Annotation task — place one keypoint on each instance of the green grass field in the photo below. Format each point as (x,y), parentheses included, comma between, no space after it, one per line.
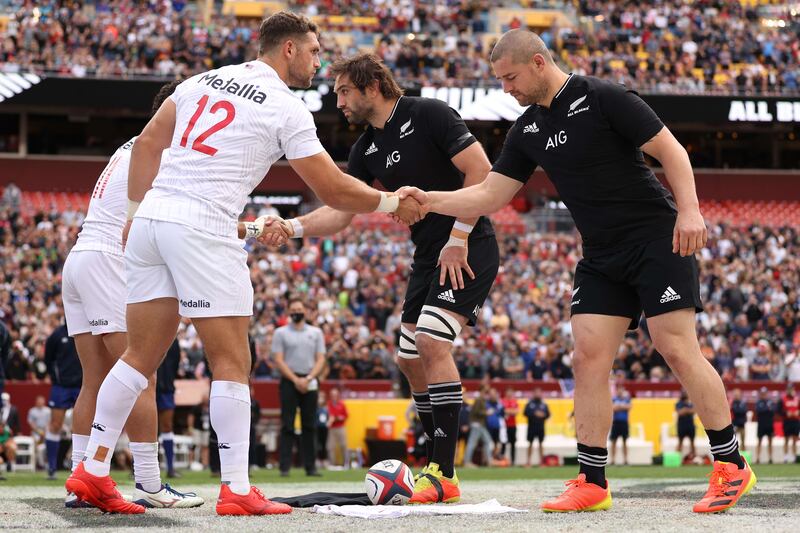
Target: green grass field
(265,477)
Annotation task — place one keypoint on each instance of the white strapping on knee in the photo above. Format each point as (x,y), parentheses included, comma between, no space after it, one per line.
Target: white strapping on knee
(437,324)
(129,377)
(408,344)
(230,389)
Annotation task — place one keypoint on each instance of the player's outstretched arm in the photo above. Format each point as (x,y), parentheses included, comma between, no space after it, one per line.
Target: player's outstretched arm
(493,193)
(690,234)
(346,193)
(318,223)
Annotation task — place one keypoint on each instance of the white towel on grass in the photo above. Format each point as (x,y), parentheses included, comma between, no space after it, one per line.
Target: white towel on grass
(397,511)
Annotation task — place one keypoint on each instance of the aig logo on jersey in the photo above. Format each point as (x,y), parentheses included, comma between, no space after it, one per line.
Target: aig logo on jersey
(558,139)
(392,158)
(405,131)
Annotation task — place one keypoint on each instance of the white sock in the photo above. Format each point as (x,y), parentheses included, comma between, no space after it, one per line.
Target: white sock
(116,397)
(146,471)
(79,443)
(229,410)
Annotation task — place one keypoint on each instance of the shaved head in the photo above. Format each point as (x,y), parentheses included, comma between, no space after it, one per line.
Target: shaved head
(520,46)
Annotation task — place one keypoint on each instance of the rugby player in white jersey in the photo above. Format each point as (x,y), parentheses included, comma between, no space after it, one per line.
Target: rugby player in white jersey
(93,292)
(224,129)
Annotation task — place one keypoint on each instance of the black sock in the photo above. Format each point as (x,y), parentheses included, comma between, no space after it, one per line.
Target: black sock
(446,400)
(724,446)
(592,462)
(423,403)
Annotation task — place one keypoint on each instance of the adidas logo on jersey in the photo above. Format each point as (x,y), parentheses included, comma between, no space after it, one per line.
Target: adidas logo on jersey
(669,295)
(531,128)
(447,296)
(439,434)
(371,150)
(247,91)
(404,131)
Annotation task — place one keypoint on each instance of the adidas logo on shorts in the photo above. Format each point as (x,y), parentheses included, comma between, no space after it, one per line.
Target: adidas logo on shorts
(669,295)
(439,433)
(447,296)
(371,150)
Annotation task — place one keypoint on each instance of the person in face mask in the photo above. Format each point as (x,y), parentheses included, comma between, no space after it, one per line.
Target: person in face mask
(298,350)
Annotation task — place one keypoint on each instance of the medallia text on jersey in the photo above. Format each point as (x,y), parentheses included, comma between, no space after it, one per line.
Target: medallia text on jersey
(247,90)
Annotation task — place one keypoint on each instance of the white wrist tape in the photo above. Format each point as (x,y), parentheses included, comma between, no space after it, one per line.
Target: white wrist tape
(297,226)
(253,229)
(454,241)
(132,207)
(388,204)
(460,226)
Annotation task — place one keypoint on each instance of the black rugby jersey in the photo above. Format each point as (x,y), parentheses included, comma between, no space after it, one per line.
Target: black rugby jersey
(414,149)
(168,371)
(588,144)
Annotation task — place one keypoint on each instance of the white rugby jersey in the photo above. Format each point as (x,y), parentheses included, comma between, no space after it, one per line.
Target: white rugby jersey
(231,125)
(107,214)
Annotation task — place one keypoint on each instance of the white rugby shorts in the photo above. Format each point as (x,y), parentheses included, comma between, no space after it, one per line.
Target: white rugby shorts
(93,292)
(206,273)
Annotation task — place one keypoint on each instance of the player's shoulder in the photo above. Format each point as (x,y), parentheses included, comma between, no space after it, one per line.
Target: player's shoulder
(602,87)
(424,107)
(128,146)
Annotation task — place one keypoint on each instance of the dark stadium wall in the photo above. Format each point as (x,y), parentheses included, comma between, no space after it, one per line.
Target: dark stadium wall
(79,175)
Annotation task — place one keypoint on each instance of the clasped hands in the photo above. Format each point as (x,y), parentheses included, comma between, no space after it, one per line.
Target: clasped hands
(413,205)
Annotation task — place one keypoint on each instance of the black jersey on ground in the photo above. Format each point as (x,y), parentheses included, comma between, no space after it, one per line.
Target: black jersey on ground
(168,371)
(588,144)
(414,149)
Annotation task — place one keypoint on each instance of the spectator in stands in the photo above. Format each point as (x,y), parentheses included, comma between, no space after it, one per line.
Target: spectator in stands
(762,364)
(66,376)
(9,428)
(511,409)
(5,354)
(18,367)
(537,413)
(478,431)
(739,416)
(620,425)
(12,197)
(790,411)
(765,415)
(792,362)
(686,430)
(337,433)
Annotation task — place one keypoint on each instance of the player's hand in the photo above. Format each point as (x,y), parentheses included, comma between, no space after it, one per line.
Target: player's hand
(690,234)
(274,232)
(452,260)
(418,194)
(409,211)
(125,231)
(301,385)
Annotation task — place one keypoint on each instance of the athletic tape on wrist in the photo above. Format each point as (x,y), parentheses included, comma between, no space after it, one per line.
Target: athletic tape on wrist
(454,241)
(388,204)
(297,226)
(253,229)
(460,226)
(132,208)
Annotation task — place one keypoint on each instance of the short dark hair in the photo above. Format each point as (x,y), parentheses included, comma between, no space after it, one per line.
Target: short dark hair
(294,299)
(363,69)
(280,26)
(163,93)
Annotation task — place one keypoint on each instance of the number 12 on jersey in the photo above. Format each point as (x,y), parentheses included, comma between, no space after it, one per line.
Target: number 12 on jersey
(199,142)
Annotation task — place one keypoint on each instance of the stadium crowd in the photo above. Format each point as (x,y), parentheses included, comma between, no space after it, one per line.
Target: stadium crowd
(707,45)
(353,283)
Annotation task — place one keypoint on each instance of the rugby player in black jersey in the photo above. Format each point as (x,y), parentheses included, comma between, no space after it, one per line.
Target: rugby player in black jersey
(421,142)
(638,242)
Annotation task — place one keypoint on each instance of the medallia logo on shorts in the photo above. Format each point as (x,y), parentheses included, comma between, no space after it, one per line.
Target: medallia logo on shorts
(669,295)
(196,304)
(98,322)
